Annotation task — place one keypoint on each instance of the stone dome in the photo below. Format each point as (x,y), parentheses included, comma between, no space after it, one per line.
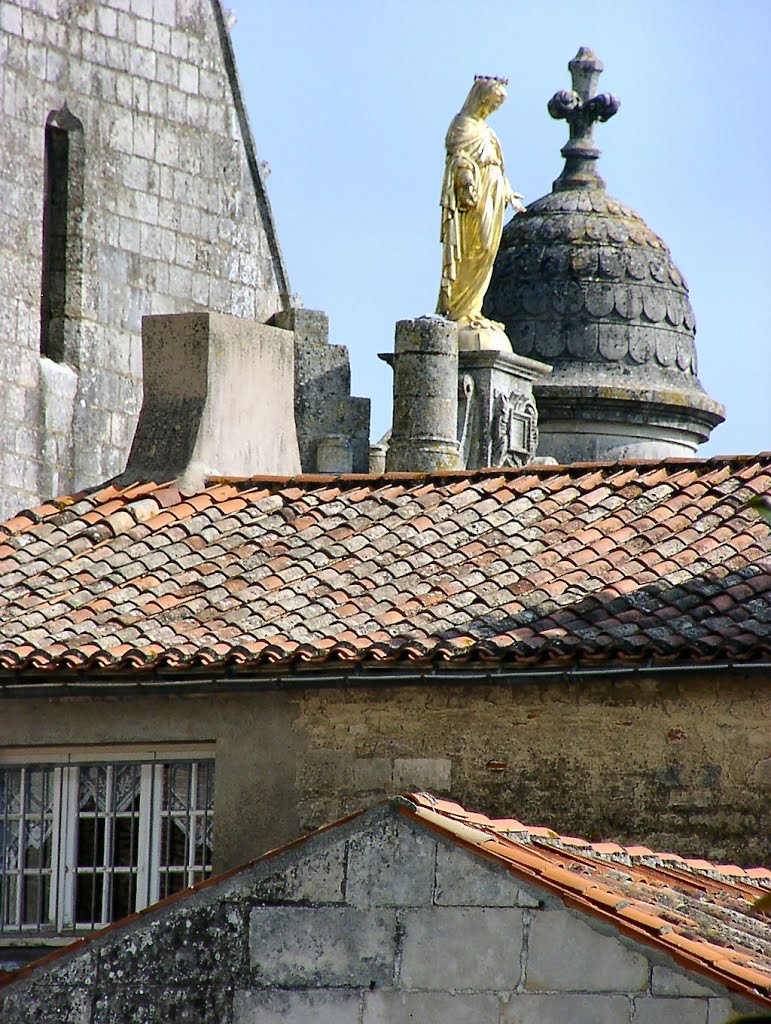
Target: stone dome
(582,277)
(581,282)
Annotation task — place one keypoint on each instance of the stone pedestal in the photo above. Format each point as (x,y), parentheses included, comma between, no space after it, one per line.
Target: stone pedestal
(491,338)
(497,415)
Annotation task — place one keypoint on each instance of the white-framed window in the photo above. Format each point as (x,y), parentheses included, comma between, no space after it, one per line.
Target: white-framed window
(87,838)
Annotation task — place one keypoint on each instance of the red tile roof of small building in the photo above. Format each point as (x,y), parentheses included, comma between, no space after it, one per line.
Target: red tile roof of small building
(701,914)
(583,565)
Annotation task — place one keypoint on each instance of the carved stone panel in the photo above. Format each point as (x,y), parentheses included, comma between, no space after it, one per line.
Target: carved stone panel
(514,429)
(497,415)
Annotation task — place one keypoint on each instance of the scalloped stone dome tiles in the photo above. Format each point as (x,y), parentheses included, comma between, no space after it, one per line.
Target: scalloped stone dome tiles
(581,276)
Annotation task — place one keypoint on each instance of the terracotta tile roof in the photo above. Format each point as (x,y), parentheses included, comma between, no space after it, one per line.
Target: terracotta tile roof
(591,564)
(697,912)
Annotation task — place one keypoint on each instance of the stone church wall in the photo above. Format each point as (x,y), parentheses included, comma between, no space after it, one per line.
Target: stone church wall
(164,211)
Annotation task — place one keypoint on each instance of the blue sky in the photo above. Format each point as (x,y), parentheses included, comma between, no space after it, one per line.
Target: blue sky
(349,103)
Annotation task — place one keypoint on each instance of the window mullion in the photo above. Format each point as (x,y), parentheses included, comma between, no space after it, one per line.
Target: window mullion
(108,844)
(58,842)
(148,859)
(192,807)
(22,858)
(68,846)
(41,825)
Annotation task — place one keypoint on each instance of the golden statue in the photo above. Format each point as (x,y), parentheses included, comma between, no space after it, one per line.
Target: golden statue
(475,194)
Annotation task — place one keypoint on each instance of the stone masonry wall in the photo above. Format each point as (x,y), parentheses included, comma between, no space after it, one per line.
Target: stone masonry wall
(376,922)
(171,217)
(677,764)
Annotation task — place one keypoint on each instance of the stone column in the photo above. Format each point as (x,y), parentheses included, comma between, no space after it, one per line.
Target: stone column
(425,397)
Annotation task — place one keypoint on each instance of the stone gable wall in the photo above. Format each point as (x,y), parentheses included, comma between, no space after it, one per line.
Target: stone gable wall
(377,922)
(174,218)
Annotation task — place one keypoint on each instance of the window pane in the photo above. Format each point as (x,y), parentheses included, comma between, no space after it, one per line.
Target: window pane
(93,788)
(10,791)
(9,836)
(9,892)
(126,843)
(36,889)
(88,898)
(126,796)
(173,842)
(205,795)
(123,895)
(173,881)
(177,790)
(186,827)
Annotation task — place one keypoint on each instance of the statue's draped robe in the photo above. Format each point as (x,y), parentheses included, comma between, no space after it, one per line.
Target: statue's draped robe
(470,238)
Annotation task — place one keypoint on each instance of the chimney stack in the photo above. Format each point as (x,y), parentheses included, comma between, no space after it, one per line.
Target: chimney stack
(218,400)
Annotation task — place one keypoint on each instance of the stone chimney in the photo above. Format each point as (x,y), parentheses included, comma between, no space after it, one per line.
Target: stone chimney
(218,400)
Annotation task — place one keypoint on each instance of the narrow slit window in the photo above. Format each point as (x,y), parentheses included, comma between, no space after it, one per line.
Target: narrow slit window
(62,244)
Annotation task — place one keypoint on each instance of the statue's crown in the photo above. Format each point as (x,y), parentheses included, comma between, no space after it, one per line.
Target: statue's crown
(491,78)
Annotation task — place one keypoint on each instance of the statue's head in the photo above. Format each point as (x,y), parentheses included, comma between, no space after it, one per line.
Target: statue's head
(486,95)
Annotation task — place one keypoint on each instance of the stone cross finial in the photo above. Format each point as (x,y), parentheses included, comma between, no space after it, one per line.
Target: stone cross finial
(581,106)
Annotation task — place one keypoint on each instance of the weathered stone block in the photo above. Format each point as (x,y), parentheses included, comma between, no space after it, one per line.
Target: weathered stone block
(322,946)
(201,941)
(317,770)
(430,1007)
(436,944)
(10,19)
(218,396)
(666,982)
(307,324)
(196,1002)
(663,1010)
(65,1005)
(323,1006)
(576,1009)
(316,879)
(429,773)
(566,954)
(323,406)
(721,1011)
(372,773)
(462,880)
(392,867)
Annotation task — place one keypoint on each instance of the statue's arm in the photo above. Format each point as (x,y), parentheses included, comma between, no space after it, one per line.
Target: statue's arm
(465,181)
(514,199)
